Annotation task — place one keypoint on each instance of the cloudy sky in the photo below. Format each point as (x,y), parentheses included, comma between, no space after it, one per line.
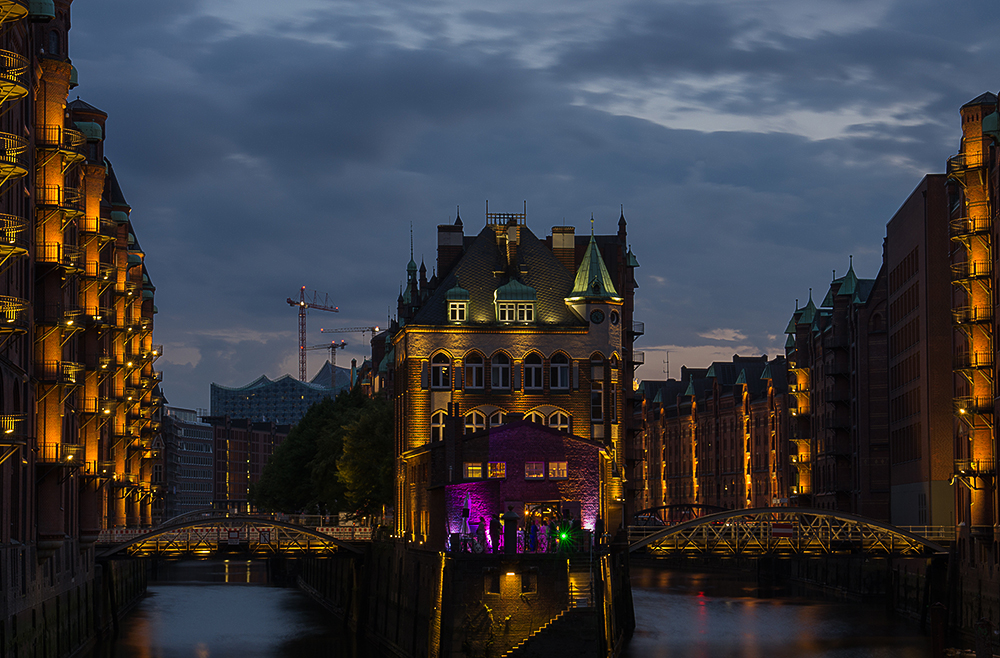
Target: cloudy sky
(755,145)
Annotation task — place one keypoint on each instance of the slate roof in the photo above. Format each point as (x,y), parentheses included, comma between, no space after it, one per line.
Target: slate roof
(84,106)
(117,197)
(986,98)
(480,272)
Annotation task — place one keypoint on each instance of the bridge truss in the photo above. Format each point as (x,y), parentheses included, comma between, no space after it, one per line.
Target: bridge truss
(246,535)
(780,530)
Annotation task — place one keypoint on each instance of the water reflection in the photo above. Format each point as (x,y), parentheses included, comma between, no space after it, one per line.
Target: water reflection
(701,616)
(211,609)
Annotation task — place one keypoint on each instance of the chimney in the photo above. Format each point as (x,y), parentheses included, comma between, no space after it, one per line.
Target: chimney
(451,238)
(513,239)
(564,246)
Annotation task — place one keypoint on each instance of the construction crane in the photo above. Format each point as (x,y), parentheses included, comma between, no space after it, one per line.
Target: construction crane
(333,347)
(309,299)
(352,330)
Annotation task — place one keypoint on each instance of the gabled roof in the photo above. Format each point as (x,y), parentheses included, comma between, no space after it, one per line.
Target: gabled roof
(592,280)
(478,271)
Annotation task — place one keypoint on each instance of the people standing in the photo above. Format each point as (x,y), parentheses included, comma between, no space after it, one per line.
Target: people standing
(533,536)
(495,533)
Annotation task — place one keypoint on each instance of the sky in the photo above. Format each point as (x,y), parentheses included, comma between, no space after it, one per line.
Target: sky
(755,145)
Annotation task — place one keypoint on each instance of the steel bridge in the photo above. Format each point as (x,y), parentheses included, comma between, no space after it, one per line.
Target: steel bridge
(203,536)
(780,530)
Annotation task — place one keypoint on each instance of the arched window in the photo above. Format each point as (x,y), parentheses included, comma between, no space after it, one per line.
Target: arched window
(437,426)
(475,421)
(559,421)
(474,371)
(53,43)
(498,418)
(500,372)
(535,417)
(440,371)
(559,372)
(533,372)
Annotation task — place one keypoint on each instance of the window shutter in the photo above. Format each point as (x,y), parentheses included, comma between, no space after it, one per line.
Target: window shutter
(458,378)
(576,376)
(425,375)
(516,375)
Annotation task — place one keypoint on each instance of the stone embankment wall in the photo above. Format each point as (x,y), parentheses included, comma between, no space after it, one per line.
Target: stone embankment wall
(416,603)
(62,605)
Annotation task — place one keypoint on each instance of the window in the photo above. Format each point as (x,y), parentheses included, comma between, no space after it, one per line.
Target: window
(496,470)
(559,372)
(614,404)
(500,375)
(473,470)
(498,418)
(534,470)
(456,311)
(559,421)
(536,417)
(525,312)
(474,371)
(475,421)
(557,469)
(437,426)
(506,311)
(597,402)
(533,372)
(441,371)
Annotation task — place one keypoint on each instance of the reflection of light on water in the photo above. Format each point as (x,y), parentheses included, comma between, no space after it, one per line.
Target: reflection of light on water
(201,650)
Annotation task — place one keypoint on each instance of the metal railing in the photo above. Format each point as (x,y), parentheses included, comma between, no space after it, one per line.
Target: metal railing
(13,233)
(971,314)
(971,269)
(970,360)
(638,328)
(975,467)
(961,162)
(969,226)
(973,405)
(12,154)
(13,314)
(638,358)
(60,453)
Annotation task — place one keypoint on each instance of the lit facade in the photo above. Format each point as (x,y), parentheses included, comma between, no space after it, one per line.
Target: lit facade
(79,396)
(512,326)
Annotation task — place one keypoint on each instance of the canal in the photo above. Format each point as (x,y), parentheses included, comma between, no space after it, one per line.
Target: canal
(691,615)
(206,609)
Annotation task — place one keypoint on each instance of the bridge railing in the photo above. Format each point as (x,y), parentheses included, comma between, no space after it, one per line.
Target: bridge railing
(936,533)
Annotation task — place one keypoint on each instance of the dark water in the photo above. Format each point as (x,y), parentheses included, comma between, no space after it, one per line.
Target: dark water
(212,609)
(682,615)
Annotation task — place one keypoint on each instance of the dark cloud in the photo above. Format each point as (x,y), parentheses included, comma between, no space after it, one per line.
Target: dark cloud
(298,154)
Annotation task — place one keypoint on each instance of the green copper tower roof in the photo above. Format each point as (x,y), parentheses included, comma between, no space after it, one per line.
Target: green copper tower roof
(592,278)
(742,379)
(515,291)
(690,388)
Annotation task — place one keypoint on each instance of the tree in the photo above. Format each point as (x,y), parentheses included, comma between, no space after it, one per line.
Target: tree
(366,466)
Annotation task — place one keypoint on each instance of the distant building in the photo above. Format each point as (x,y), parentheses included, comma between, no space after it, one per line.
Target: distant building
(719,436)
(837,359)
(188,471)
(242,448)
(284,400)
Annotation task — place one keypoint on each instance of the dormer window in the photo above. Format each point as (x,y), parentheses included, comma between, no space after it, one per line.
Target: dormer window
(458,304)
(515,302)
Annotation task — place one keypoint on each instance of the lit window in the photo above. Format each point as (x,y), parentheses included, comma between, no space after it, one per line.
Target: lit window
(533,372)
(559,421)
(473,470)
(474,371)
(497,418)
(557,469)
(456,311)
(496,470)
(506,311)
(534,470)
(525,312)
(474,422)
(536,417)
(437,426)
(559,372)
(500,375)
(441,371)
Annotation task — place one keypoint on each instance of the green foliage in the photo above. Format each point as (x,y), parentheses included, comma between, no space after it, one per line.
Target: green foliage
(302,474)
(366,466)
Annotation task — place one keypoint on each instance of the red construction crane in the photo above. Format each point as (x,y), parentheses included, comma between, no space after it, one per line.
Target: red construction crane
(317,300)
(333,347)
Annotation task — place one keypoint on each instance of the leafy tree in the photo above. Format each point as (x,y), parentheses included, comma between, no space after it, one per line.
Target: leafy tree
(366,466)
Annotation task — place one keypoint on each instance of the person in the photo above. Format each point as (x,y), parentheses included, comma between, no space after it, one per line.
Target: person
(532,536)
(495,533)
(599,531)
(553,535)
(481,534)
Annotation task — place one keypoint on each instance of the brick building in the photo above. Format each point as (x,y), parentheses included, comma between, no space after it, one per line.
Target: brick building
(240,452)
(720,435)
(838,378)
(188,471)
(512,324)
